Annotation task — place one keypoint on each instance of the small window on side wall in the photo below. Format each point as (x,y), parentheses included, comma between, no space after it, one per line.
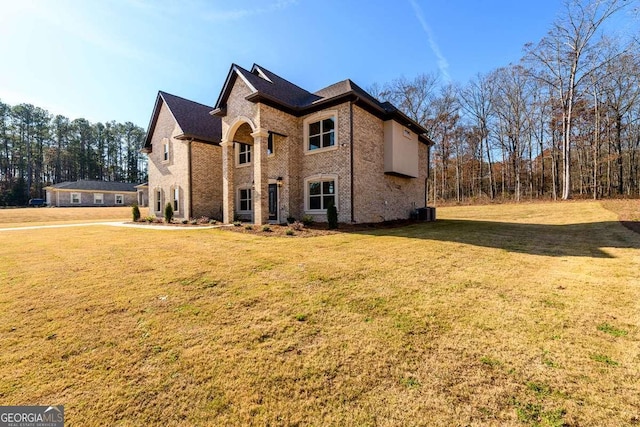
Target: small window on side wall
(75,198)
(270,148)
(176,199)
(165,150)
(158,200)
(98,198)
(119,199)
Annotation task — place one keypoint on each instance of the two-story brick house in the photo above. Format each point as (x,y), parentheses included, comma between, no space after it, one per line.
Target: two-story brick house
(270,150)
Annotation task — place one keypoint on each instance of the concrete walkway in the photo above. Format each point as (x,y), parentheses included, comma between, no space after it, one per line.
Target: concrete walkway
(114,224)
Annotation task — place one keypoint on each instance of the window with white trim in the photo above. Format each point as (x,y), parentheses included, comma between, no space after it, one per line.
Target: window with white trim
(321,133)
(244,200)
(320,193)
(75,198)
(244,154)
(98,198)
(165,149)
(176,199)
(119,199)
(158,200)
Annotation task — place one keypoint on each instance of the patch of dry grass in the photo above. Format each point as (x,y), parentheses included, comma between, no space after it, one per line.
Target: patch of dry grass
(628,212)
(19,217)
(494,315)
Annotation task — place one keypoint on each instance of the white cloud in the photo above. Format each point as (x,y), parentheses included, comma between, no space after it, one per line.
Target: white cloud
(236,14)
(443,64)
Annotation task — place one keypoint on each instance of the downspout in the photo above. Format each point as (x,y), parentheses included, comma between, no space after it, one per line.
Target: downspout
(351,158)
(426,179)
(190,179)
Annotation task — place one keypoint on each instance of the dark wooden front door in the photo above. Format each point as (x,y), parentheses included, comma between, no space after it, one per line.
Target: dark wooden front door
(273,202)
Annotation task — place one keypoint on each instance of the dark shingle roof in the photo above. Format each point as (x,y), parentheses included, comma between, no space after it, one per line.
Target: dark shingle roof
(88,185)
(348,86)
(277,92)
(192,117)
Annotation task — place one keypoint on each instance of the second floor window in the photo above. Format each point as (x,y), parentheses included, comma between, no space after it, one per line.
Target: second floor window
(322,134)
(244,154)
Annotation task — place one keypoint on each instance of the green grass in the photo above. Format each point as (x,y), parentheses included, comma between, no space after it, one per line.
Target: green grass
(493,315)
(612,330)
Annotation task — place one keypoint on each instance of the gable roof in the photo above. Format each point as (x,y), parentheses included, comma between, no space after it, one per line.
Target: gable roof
(88,185)
(193,119)
(273,90)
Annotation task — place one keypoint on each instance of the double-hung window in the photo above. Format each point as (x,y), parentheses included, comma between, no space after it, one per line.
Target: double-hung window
(75,198)
(119,199)
(244,154)
(158,200)
(98,198)
(176,199)
(165,148)
(244,200)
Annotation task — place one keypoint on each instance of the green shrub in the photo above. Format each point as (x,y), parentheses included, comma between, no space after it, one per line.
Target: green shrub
(213,222)
(332,216)
(266,228)
(248,227)
(237,223)
(168,213)
(185,221)
(150,218)
(307,220)
(135,212)
(289,232)
(291,220)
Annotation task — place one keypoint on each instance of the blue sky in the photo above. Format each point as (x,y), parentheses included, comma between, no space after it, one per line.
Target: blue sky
(106,59)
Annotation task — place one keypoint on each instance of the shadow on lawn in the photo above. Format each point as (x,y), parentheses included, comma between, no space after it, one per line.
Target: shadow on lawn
(583,240)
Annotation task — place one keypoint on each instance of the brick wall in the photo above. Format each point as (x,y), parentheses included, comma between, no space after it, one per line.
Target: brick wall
(378,196)
(165,175)
(206,180)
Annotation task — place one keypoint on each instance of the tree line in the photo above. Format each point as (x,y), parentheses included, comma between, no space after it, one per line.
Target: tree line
(39,149)
(563,122)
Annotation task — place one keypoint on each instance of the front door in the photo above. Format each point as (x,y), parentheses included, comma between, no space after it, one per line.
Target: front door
(273,202)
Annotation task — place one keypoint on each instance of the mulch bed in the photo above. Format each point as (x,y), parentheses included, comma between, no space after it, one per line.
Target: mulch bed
(316,229)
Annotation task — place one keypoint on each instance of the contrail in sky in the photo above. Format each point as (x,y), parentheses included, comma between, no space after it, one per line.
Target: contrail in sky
(443,64)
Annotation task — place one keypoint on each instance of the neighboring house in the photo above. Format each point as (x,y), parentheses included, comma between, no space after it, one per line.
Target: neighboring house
(275,150)
(185,159)
(91,193)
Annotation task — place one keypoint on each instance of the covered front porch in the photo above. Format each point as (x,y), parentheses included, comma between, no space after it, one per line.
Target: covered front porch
(250,192)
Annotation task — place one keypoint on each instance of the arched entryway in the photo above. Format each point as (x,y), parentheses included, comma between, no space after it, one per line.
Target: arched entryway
(245,184)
